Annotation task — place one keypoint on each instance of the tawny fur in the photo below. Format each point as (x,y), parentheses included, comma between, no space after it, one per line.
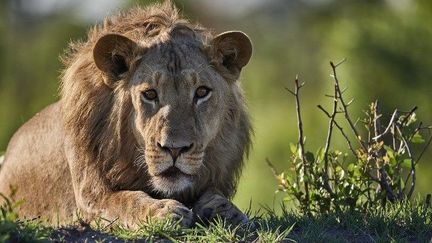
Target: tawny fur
(81,153)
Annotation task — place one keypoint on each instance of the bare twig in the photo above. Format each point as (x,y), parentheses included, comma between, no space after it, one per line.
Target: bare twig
(419,127)
(389,126)
(412,173)
(393,135)
(414,164)
(339,63)
(376,125)
(384,180)
(328,140)
(398,166)
(305,163)
(341,130)
(410,113)
(344,105)
(290,91)
(385,185)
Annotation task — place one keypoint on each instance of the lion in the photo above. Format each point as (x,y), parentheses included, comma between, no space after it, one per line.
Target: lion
(151,124)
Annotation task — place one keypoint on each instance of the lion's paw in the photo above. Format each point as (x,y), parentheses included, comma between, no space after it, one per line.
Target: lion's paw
(211,206)
(168,208)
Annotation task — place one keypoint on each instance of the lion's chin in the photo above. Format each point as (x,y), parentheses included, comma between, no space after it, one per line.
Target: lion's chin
(172,184)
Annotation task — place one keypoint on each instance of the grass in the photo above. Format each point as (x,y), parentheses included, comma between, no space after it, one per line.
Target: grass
(404,222)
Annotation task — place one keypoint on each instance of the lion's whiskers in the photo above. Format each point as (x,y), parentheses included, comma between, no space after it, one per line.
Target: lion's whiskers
(140,158)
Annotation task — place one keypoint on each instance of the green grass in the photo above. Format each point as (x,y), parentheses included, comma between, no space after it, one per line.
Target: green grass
(14,230)
(407,222)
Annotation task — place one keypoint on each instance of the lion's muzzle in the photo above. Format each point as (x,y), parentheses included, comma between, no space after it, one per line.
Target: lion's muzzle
(174,165)
(175,151)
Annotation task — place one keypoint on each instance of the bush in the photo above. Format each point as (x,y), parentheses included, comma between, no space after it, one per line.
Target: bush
(380,166)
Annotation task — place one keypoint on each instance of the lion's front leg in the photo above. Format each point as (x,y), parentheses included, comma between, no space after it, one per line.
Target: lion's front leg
(131,208)
(95,199)
(212,205)
(168,208)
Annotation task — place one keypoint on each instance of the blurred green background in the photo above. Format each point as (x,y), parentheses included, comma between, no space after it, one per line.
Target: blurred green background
(388,45)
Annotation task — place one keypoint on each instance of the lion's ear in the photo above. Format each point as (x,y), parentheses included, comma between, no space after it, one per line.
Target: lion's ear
(112,54)
(232,50)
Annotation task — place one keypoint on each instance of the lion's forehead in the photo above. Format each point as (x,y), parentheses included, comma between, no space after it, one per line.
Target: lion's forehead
(175,54)
(177,61)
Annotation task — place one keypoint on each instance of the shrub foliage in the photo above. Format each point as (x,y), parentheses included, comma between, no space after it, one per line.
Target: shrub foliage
(379,166)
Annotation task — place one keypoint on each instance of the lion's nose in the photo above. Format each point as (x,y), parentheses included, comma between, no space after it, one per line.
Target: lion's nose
(175,152)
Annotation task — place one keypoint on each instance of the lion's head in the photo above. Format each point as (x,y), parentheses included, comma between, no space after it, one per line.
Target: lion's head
(154,101)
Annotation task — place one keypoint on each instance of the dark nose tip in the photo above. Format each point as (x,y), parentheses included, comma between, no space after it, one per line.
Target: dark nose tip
(175,152)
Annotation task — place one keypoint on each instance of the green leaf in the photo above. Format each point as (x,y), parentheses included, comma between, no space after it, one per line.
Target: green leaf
(351,167)
(340,171)
(354,171)
(293,148)
(389,169)
(391,159)
(402,183)
(417,138)
(390,151)
(320,154)
(406,163)
(310,157)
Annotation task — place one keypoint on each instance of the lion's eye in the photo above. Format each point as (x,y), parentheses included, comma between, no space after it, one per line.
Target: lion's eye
(202,92)
(150,95)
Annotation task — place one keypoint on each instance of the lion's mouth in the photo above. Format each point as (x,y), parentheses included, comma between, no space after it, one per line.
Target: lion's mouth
(173,173)
(172,180)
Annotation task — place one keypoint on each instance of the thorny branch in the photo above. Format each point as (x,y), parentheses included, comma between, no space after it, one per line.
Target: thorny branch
(408,116)
(394,126)
(379,154)
(341,131)
(378,136)
(344,105)
(328,140)
(384,183)
(412,173)
(305,163)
